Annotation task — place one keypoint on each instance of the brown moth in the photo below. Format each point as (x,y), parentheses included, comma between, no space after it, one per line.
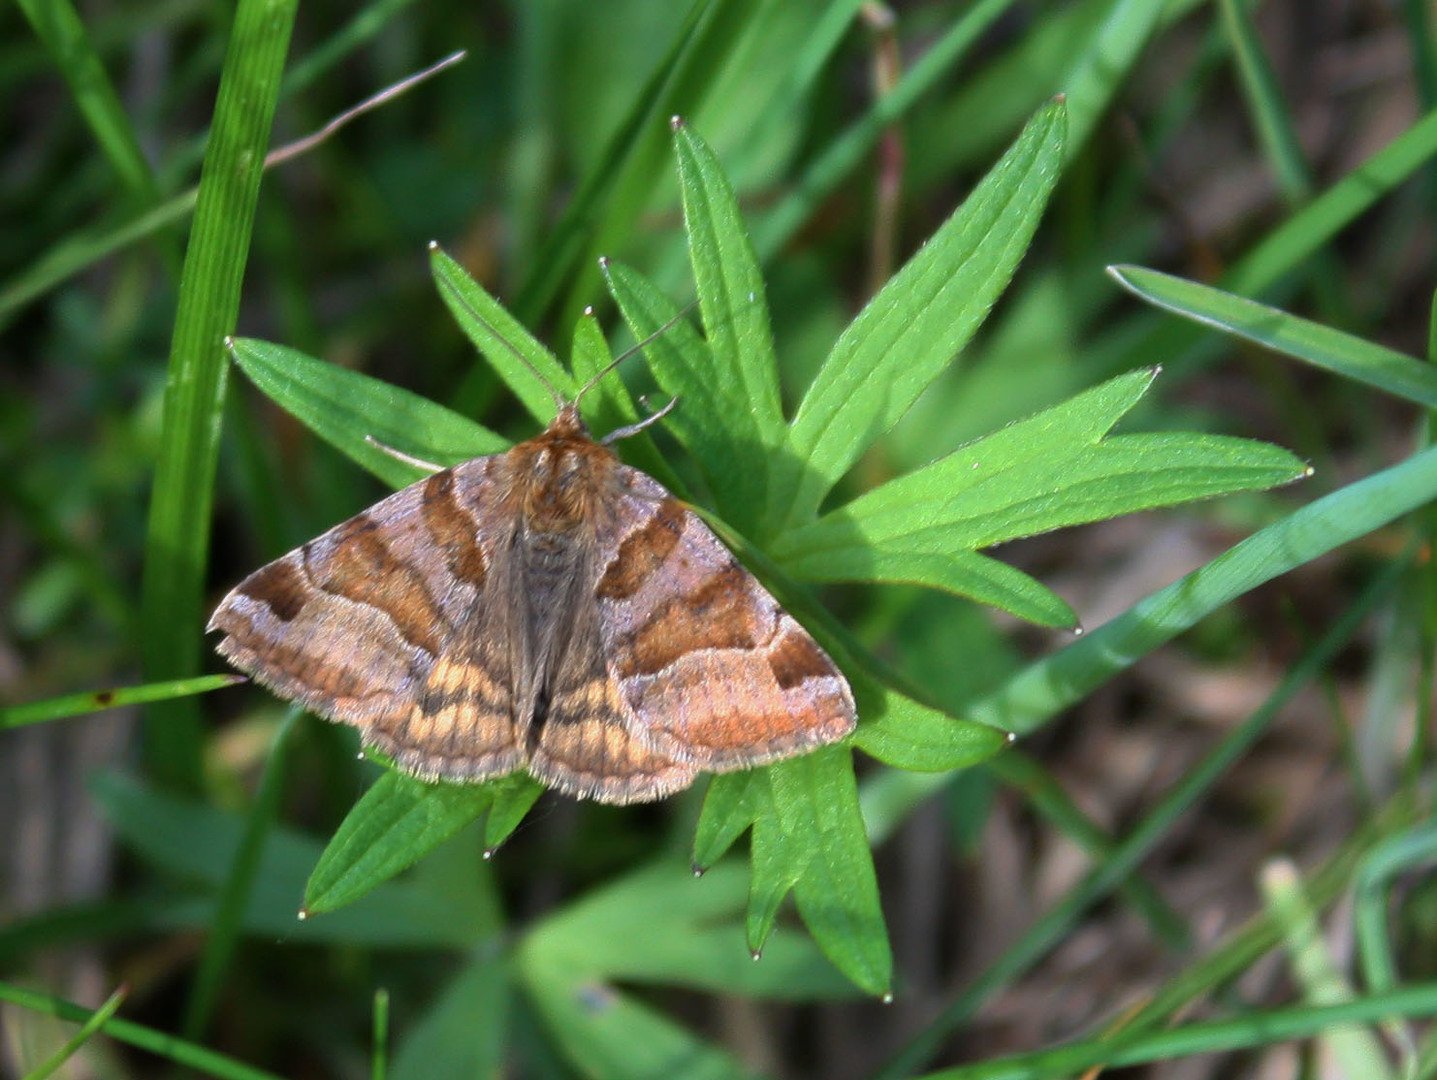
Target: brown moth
(548,608)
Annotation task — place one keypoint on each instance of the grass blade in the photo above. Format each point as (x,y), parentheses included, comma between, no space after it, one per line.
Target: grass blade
(177,543)
(235,893)
(1256,1028)
(1101,69)
(159,1043)
(1274,124)
(572,234)
(60,708)
(1126,855)
(65,1053)
(1043,689)
(1357,1053)
(58,25)
(1300,236)
(852,148)
(1332,350)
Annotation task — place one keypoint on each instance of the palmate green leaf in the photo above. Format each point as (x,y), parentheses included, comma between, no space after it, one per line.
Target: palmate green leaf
(343,406)
(398,821)
(736,325)
(1052,470)
(1042,690)
(963,573)
(914,327)
(808,837)
(1332,350)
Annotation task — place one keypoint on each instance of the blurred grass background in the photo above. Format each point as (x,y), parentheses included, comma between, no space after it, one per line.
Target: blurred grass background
(1201,132)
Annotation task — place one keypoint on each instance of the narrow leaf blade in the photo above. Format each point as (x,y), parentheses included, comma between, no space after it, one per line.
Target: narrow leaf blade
(922,318)
(520,359)
(397,822)
(1343,354)
(343,406)
(732,301)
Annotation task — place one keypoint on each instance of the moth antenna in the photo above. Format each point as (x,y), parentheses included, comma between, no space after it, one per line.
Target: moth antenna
(559,400)
(634,429)
(400,455)
(616,361)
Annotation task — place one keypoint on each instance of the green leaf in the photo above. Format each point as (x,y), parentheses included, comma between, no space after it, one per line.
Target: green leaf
(963,573)
(607,1035)
(808,835)
(514,796)
(1332,350)
(1275,125)
(60,708)
(660,925)
(735,316)
(162,1044)
(1054,683)
(816,795)
(683,366)
(914,327)
(343,406)
(608,405)
(58,25)
(52,1064)
(907,734)
(396,823)
(731,803)
(182,499)
(518,357)
(1052,470)
(461,1033)
(657,925)
(198,844)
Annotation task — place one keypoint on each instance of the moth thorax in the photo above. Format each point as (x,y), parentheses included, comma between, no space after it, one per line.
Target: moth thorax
(563,483)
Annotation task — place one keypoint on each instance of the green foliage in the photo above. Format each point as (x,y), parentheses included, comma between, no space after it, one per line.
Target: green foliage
(1055,469)
(864,439)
